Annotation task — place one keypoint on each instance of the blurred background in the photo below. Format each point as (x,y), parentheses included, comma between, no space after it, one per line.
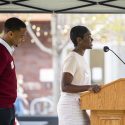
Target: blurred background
(38,61)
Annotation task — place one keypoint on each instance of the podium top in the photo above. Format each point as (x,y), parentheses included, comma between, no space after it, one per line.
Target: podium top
(111,97)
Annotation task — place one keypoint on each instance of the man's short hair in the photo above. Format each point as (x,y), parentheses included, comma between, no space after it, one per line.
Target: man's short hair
(13,24)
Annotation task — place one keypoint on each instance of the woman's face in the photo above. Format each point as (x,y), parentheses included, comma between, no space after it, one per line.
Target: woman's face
(86,41)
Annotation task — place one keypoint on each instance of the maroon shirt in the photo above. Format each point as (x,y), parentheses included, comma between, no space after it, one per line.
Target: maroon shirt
(8,81)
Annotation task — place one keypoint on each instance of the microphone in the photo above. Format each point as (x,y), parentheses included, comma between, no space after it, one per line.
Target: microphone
(106,49)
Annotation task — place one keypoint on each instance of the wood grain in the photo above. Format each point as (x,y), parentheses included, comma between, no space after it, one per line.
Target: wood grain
(108,106)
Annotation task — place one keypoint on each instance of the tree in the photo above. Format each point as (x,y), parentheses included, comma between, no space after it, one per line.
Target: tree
(55,51)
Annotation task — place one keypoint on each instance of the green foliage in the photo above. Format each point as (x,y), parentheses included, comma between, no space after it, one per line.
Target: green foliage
(107,27)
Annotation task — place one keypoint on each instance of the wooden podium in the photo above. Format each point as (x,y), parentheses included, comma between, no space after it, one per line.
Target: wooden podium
(108,106)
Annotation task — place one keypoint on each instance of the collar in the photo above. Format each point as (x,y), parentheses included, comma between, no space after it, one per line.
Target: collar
(10,49)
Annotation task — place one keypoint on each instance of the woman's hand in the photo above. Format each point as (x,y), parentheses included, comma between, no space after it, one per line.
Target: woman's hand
(95,88)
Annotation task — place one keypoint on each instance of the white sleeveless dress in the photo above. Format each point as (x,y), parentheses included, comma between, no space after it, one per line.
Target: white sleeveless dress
(68,108)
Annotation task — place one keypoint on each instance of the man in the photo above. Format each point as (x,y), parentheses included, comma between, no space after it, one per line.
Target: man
(14,32)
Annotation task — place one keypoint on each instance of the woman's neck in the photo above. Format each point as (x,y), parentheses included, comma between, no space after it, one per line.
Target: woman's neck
(79,51)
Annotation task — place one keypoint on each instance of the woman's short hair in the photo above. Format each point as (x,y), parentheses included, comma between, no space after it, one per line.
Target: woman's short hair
(77,31)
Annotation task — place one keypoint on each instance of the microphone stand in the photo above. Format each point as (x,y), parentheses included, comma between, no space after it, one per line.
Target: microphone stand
(117,56)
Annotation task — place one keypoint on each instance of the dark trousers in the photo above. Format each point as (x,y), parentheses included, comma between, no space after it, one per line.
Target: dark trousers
(7,116)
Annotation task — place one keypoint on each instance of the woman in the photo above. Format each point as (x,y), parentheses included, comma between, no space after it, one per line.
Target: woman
(75,79)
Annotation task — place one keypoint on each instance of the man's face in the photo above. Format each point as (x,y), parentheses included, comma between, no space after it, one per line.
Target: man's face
(17,37)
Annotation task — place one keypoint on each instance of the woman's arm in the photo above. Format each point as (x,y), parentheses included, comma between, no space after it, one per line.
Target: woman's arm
(68,87)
